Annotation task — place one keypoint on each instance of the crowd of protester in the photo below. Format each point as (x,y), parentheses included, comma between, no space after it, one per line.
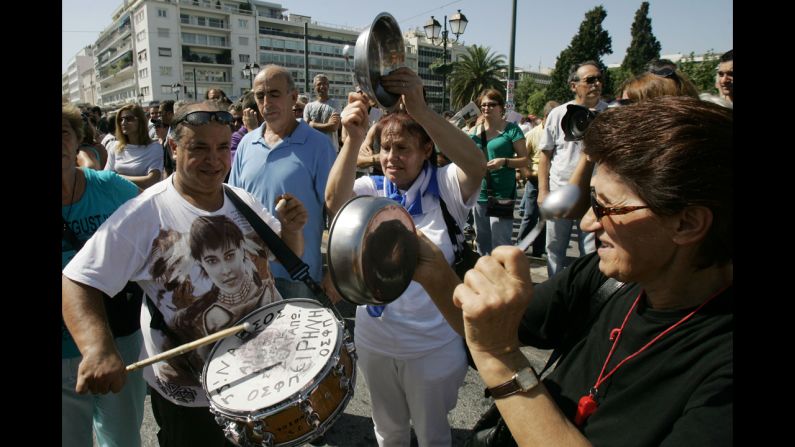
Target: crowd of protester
(654,170)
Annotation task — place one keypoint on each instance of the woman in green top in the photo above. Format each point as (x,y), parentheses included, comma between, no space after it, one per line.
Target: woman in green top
(505,150)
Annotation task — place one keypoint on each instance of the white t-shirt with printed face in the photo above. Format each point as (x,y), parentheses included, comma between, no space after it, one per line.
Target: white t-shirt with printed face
(155,239)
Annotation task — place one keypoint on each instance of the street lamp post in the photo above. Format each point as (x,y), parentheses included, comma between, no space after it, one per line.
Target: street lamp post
(250,72)
(458,23)
(175,88)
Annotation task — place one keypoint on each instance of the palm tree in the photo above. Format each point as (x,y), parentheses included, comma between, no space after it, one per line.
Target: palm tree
(475,71)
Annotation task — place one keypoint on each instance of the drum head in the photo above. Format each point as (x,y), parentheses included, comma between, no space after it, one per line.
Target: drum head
(293,343)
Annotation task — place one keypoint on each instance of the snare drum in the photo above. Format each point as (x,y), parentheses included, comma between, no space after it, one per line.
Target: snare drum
(286,383)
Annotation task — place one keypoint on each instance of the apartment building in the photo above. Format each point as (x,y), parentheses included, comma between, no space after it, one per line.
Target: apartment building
(178,49)
(75,88)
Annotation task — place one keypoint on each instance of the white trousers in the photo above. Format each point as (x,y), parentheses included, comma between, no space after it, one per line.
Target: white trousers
(419,391)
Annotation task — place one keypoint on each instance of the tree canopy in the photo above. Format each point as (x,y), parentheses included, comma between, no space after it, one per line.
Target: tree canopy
(590,43)
(702,73)
(644,46)
(474,72)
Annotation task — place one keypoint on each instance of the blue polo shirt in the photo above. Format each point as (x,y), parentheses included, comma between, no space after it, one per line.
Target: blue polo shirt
(298,165)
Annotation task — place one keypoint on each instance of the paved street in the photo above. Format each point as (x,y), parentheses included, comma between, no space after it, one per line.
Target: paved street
(354,427)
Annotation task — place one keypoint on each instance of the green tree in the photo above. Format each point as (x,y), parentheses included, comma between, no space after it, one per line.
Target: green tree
(617,75)
(536,101)
(591,43)
(644,46)
(524,88)
(702,73)
(475,71)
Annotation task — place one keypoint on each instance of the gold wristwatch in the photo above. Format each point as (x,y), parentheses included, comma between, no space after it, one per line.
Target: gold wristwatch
(524,380)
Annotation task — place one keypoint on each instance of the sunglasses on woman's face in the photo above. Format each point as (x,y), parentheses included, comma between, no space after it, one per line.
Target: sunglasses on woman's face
(199,118)
(600,211)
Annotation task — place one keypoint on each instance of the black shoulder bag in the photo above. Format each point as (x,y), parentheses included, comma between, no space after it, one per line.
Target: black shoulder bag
(495,207)
(124,309)
(491,430)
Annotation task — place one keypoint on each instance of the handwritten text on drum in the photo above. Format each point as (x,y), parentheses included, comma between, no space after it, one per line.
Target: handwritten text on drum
(273,364)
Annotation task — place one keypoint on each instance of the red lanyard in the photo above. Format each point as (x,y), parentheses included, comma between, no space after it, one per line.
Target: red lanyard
(588,403)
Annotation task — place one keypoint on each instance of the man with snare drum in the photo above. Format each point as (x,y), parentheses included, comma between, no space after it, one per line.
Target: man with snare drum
(149,241)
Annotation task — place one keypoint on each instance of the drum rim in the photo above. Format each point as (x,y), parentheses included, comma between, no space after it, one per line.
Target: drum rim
(302,394)
(311,434)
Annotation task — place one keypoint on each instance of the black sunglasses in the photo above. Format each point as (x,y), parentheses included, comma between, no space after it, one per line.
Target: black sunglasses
(199,118)
(592,79)
(600,211)
(666,72)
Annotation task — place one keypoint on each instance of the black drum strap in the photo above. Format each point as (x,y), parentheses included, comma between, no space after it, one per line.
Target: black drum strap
(297,268)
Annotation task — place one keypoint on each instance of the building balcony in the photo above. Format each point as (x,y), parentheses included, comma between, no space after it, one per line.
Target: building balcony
(106,89)
(189,55)
(118,67)
(114,36)
(192,22)
(205,45)
(216,6)
(112,53)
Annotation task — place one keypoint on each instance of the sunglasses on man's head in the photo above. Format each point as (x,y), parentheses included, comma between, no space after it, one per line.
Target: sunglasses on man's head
(199,118)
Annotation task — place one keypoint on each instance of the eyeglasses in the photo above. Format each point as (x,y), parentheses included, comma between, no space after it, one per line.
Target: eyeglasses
(726,73)
(592,79)
(199,118)
(129,119)
(600,211)
(490,105)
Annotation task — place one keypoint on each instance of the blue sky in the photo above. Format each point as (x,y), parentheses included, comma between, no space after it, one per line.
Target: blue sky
(543,28)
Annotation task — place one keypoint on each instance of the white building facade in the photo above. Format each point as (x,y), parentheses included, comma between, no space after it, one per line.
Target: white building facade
(155,50)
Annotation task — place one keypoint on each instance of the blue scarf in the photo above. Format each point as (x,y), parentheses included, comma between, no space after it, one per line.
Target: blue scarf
(425,188)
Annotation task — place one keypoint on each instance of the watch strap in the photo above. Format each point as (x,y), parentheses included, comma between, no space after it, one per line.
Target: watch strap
(511,386)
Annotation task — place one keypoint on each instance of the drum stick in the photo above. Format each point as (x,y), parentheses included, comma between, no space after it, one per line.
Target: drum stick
(191,346)
(280,205)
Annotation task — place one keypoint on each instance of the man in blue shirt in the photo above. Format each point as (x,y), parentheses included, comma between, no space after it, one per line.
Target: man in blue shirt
(285,155)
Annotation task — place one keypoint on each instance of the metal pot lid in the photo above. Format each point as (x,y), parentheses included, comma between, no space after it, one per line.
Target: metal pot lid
(379,50)
(372,250)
